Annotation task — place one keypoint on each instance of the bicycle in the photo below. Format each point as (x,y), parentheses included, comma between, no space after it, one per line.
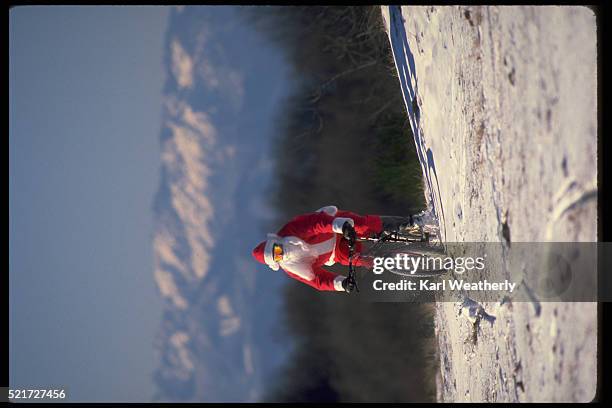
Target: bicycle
(413,242)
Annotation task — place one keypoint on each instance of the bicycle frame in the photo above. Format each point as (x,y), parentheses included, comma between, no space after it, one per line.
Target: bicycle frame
(396,237)
(383,237)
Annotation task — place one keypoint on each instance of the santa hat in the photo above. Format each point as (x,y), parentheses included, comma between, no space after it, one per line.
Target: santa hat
(263,252)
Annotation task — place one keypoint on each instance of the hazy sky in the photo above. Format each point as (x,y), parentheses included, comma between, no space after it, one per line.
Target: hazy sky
(84,109)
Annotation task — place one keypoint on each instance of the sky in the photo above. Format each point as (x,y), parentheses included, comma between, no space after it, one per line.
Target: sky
(85,95)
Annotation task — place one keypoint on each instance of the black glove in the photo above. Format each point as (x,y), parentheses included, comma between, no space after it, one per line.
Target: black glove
(349,233)
(348,284)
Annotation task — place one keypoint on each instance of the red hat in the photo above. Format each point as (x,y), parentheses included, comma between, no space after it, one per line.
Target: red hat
(258,252)
(263,252)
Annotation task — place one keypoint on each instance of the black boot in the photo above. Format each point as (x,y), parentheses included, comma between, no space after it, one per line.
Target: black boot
(392,223)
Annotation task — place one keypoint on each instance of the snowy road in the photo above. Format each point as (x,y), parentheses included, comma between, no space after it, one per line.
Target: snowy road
(503,105)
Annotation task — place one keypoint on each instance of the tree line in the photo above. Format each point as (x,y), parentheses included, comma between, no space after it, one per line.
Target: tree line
(343,138)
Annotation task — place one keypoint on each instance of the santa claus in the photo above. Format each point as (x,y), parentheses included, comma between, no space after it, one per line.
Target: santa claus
(309,241)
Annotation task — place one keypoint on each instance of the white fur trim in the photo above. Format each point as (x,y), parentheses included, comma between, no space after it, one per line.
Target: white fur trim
(268,255)
(338,283)
(329,209)
(339,222)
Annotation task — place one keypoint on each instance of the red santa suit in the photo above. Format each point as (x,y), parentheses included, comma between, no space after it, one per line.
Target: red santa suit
(312,240)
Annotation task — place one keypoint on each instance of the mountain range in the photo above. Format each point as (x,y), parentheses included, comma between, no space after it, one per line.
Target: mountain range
(218,337)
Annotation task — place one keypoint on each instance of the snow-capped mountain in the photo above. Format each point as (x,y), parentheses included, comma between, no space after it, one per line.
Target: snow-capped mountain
(221,88)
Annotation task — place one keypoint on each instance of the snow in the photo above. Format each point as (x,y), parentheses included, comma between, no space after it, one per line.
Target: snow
(503,105)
